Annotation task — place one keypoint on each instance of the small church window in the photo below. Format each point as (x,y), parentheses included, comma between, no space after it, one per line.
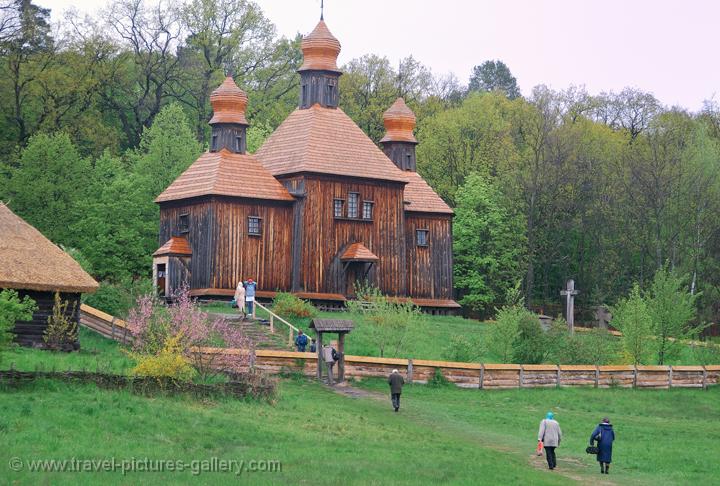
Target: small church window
(367,210)
(254,225)
(422,237)
(330,96)
(184,223)
(338,207)
(353,200)
(238,144)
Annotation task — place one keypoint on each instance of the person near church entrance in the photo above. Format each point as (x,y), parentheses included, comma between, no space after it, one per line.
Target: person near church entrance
(313,346)
(250,287)
(240,298)
(301,341)
(330,356)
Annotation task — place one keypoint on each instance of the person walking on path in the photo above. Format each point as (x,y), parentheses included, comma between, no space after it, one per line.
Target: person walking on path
(250,287)
(301,341)
(396,382)
(604,435)
(240,298)
(550,435)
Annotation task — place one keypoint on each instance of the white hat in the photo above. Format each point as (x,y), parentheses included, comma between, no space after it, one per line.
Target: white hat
(395,371)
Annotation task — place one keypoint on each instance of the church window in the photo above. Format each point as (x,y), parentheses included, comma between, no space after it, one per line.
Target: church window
(421,236)
(184,223)
(367,210)
(254,225)
(338,205)
(353,200)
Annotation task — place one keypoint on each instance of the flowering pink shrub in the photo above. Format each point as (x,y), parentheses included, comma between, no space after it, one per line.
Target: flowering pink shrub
(152,324)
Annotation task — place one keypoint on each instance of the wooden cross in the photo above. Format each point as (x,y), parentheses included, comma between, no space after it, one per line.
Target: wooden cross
(569,293)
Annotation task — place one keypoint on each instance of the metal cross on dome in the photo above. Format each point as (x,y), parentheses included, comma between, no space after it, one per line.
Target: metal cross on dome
(569,293)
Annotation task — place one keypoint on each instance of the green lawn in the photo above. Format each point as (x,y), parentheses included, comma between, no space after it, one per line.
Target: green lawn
(442,435)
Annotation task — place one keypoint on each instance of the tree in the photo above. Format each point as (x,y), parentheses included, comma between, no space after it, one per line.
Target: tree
(494,76)
(47,187)
(12,309)
(671,308)
(632,318)
(488,245)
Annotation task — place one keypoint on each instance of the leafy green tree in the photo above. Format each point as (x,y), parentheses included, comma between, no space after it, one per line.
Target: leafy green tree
(488,245)
(12,309)
(48,185)
(494,76)
(475,137)
(632,318)
(672,308)
(504,334)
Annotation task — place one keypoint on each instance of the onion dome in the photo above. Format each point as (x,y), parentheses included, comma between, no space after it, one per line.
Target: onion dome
(320,50)
(228,103)
(399,121)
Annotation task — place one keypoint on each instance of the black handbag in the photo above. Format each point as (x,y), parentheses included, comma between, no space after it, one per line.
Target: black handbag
(592,450)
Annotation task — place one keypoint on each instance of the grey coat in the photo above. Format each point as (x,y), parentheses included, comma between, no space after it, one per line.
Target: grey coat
(550,433)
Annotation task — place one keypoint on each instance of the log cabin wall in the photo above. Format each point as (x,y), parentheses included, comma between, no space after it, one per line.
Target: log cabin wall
(201,228)
(30,333)
(238,255)
(429,268)
(325,237)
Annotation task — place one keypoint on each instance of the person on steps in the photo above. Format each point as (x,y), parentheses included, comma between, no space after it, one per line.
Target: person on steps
(250,287)
(301,341)
(396,382)
(550,435)
(313,346)
(240,298)
(604,435)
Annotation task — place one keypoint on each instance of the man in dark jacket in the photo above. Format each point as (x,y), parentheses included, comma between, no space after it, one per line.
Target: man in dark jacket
(301,341)
(396,382)
(604,435)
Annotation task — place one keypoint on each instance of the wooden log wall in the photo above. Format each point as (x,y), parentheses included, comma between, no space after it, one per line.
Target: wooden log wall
(429,267)
(30,333)
(325,237)
(223,251)
(466,375)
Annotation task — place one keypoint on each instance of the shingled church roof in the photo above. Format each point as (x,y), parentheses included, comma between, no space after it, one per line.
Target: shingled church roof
(421,197)
(225,173)
(326,141)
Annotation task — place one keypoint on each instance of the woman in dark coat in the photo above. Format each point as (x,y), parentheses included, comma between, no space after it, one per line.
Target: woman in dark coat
(604,435)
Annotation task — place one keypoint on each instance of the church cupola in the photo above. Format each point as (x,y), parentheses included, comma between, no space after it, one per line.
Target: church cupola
(399,141)
(319,73)
(228,123)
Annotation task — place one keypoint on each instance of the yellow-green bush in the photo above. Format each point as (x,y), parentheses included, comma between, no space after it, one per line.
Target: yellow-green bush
(169,362)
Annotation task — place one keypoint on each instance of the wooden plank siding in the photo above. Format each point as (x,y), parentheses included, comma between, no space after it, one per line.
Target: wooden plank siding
(325,237)
(30,333)
(429,268)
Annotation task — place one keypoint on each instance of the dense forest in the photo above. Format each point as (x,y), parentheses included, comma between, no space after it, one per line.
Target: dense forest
(100,114)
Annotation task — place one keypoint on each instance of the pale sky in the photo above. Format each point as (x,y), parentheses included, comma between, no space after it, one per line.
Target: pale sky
(666,47)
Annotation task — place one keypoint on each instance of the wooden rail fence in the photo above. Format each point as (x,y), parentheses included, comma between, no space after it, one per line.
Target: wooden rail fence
(466,375)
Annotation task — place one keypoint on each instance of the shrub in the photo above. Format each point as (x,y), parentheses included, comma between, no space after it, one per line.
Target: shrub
(286,304)
(504,336)
(12,309)
(596,346)
(438,379)
(387,319)
(153,325)
(531,344)
(632,318)
(169,362)
(463,349)
(61,331)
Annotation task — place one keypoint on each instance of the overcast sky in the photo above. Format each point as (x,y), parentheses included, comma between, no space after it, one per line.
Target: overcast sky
(666,47)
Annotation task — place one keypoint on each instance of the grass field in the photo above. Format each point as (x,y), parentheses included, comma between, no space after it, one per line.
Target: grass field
(426,340)
(442,435)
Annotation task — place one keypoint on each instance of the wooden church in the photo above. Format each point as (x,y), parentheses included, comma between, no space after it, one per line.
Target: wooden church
(318,208)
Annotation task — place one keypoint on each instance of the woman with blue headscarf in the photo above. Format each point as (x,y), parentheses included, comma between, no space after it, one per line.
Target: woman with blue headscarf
(550,435)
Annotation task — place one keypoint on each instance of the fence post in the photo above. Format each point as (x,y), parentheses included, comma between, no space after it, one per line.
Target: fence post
(634,376)
(670,377)
(410,371)
(272,323)
(704,382)
(558,378)
(520,378)
(597,376)
(112,328)
(290,339)
(482,376)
